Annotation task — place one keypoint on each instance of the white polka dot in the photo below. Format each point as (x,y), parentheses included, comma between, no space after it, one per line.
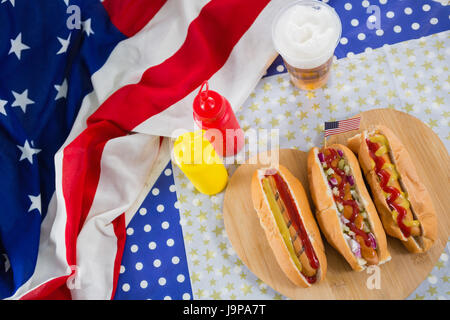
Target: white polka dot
(280,68)
(139,266)
(372,18)
(348,6)
(147,228)
(397,29)
(390,14)
(426,7)
(176,205)
(175,260)
(126,287)
(344,40)
(379,32)
(361,36)
(350,54)
(186,296)
(122,269)
(162,281)
(383,1)
(152,245)
(408,10)
(415,26)
(167,298)
(130,231)
(144,284)
(368,50)
(168,172)
(172,188)
(160,208)
(134,248)
(165,225)
(157,263)
(365,3)
(432,279)
(444,257)
(180,278)
(142,211)
(434,20)
(155,191)
(170,242)
(354,22)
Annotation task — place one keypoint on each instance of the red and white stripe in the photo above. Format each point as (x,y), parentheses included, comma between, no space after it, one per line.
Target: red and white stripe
(145,88)
(344,126)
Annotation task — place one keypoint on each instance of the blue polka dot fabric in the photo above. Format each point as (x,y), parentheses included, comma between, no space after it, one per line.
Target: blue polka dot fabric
(368,25)
(154,264)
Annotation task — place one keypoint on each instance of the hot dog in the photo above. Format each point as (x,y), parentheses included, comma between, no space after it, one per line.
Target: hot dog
(404,204)
(284,213)
(344,209)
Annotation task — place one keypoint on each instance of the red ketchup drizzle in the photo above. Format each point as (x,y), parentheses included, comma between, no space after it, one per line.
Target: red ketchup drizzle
(394,193)
(294,216)
(341,187)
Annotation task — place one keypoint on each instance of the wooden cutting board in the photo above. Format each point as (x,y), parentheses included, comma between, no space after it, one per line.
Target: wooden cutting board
(400,276)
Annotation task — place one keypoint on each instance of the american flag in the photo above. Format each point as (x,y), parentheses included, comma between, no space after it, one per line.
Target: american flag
(87,87)
(336,127)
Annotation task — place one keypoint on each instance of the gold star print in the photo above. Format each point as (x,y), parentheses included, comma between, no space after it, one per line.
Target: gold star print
(201,216)
(295,92)
(427,65)
(290,135)
(252,94)
(344,99)
(299,104)
(440,265)
(225,256)
(319,115)
(246,289)
(216,295)
(202,229)
(368,79)
(209,254)
(411,64)
(188,236)
(288,114)
(446,114)
(437,87)
(417,297)
(310,95)
(391,94)
(265,99)
(200,293)
(308,139)
(427,110)
(233,297)
(315,106)
(216,206)
(274,122)
(243,276)
(422,99)
(446,279)
(304,127)
(361,101)
(195,276)
(408,107)
(404,85)
(409,52)
(440,57)
(254,106)
(432,290)
(280,80)
(229,286)
(394,51)
(181,198)
(319,128)
(303,115)
(397,72)
(439,45)
(238,263)
(218,231)
(439,101)
(196,262)
(351,67)
(222,246)
(381,59)
(278,296)
(340,85)
(432,123)
(267,87)
(351,78)
(209,268)
(332,107)
(225,271)
(420,87)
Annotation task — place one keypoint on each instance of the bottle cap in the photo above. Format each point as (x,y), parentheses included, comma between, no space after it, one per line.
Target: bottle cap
(208,105)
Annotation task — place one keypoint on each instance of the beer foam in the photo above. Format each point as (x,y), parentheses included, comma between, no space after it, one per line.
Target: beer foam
(306,34)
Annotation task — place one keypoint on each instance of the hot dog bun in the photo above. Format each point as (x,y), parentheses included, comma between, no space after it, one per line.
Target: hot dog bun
(421,205)
(273,233)
(327,213)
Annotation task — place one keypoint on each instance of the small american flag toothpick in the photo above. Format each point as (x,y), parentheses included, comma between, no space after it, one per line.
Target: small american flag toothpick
(336,127)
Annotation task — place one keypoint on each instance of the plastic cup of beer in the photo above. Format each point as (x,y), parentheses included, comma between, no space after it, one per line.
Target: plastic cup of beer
(305,34)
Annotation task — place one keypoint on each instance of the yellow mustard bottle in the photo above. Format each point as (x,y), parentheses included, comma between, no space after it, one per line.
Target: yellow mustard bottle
(198,160)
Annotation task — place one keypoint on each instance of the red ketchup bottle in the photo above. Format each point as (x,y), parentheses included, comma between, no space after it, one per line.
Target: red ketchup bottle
(213,113)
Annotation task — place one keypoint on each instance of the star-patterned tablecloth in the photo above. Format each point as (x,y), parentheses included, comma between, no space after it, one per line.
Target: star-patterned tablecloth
(411,76)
